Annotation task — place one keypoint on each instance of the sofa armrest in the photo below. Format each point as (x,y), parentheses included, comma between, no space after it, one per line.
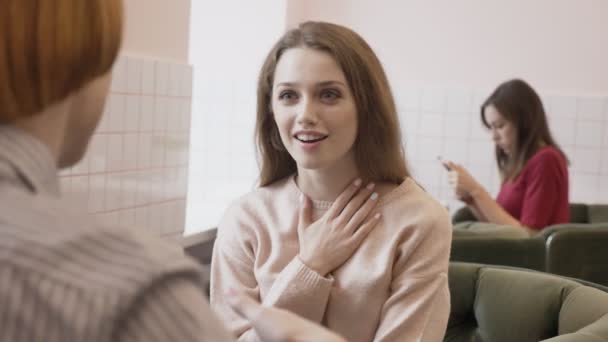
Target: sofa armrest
(200,245)
(579,252)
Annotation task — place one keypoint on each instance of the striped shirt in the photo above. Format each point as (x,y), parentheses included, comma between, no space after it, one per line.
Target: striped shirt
(65,277)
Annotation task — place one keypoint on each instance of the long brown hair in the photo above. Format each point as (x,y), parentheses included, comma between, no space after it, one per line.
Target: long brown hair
(49,49)
(378,151)
(521,106)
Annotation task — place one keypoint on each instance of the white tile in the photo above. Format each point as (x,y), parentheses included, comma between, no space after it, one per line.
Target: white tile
(141,217)
(584,187)
(113,192)
(158,150)
(186,108)
(161,110)
(129,190)
(408,98)
(132,113)
(169,217)
(429,174)
(588,134)
(456,126)
(175,79)
(586,160)
(144,151)
(146,114)
(429,149)
(115,152)
(185,86)
(563,130)
(119,75)
(604,169)
(98,153)
(174,113)
(130,151)
(602,194)
(433,100)
(134,75)
(80,189)
(97,184)
(117,113)
(477,129)
(459,101)
(430,125)
(162,78)
(408,122)
(148,77)
(591,108)
(481,152)
(564,107)
(455,150)
(65,185)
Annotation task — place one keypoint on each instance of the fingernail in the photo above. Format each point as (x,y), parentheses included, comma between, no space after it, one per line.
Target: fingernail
(357,182)
(231,292)
(374,196)
(301,198)
(370,186)
(377,216)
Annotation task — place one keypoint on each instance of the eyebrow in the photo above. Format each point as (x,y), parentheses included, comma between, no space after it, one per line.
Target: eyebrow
(319,84)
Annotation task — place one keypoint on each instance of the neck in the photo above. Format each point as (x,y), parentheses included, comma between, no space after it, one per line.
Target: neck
(326,184)
(48,127)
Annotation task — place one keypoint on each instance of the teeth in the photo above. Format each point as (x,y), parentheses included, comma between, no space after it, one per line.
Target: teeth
(308,137)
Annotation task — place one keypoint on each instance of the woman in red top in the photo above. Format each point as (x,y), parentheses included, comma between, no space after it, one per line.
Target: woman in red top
(533,169)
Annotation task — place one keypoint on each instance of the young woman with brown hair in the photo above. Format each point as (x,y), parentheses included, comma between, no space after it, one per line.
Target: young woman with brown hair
(338,232)
(533,169)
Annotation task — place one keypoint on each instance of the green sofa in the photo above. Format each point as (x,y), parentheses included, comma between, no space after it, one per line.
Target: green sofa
(491,303)
(578,249)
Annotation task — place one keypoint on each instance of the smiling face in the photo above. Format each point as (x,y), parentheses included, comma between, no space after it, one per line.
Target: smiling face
(504,133)
(314,109)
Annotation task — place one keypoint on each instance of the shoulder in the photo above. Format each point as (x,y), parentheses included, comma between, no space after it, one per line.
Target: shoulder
(59,243)
(259,200)
(411,209)
(547,154)
(546,161)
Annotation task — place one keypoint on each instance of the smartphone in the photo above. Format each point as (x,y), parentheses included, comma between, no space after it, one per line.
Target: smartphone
(443,163)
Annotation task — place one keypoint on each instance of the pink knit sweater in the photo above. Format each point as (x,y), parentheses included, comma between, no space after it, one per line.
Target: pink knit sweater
(393,288)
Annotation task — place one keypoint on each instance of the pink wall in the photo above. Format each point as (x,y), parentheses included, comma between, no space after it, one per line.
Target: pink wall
(158,29)
(557,45)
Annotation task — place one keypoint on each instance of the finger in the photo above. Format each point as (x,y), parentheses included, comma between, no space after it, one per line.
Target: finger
(356,202)
(305,218)
(361,215)
(366,228)
(243,305)
(344,198)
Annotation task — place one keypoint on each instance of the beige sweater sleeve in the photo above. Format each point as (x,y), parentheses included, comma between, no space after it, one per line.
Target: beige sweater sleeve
(419,304)
(297,288)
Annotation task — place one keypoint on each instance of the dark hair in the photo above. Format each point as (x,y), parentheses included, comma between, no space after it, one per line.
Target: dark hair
(521,106)
(378,151)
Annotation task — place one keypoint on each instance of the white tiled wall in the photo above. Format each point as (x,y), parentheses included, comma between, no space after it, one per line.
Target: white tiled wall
(136,168)
(446,122)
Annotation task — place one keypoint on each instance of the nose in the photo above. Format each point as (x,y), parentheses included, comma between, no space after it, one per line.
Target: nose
(307,113)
